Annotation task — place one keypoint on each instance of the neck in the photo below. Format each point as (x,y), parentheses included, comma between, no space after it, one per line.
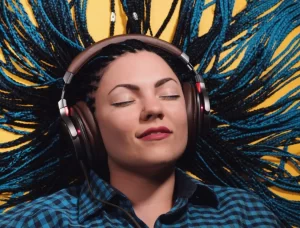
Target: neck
(151,195)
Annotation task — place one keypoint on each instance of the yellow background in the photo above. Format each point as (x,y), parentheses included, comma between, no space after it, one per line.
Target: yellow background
(98,17)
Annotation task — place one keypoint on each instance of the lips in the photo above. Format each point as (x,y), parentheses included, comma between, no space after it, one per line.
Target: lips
(153,131)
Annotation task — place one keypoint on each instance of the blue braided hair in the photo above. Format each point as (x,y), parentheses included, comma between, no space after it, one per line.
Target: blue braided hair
(234,152)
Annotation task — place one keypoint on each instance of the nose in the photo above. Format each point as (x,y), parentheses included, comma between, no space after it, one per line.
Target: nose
(152,109)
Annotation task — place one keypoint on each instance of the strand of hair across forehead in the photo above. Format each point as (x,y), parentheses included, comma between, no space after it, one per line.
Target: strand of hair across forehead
(233,154)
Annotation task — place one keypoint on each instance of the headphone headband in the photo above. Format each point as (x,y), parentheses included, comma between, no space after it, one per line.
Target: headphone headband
(79,61)
(91,51)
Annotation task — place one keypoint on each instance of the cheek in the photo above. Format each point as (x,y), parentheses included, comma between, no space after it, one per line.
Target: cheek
(181,121)
(178,113)
(116,130)
(178,117)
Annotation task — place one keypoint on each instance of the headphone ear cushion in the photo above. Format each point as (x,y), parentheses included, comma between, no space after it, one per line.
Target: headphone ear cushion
(67,138)
(90,125)
(192,109)
(82,148)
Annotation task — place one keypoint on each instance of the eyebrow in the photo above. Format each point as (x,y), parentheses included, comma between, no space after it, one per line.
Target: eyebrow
(136,88)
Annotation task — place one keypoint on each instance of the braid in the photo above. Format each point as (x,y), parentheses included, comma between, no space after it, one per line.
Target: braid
(166,21)
(147,25)
(112,18)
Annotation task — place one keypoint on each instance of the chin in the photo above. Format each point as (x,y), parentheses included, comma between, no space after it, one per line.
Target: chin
(160,157)
(155,167)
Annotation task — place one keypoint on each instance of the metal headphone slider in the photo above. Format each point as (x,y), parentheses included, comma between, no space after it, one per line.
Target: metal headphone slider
(68,77)
(62,104)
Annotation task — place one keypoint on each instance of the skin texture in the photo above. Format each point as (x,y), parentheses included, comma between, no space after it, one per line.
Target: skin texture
(142,170)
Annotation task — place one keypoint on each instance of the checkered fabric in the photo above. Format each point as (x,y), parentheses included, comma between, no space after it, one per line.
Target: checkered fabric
(196,205)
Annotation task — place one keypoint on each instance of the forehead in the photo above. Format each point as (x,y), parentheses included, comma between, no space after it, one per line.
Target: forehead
(138,68)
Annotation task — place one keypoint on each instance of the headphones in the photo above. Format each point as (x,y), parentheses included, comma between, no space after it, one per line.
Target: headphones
(81,128)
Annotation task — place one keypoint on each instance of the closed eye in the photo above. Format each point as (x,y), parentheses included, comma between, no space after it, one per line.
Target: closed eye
(171,97)
(122,104)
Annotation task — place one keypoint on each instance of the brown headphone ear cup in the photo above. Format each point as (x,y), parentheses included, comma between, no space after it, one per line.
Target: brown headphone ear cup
(192,109)
(82,148)
(91,129)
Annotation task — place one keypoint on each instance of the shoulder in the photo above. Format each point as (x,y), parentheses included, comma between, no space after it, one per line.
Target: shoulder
(241,205)
(240,198)
(48,209)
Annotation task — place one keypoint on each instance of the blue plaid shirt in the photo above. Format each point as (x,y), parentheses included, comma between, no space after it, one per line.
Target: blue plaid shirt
(196,205)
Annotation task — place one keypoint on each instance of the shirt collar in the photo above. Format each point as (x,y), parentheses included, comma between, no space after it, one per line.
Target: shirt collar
(185,187)
(197,192)
(102,190)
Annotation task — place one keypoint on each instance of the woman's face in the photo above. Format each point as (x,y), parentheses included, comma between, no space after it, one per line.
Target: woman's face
(139,91)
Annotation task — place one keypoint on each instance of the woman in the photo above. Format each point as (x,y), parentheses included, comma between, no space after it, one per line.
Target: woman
(140,109)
